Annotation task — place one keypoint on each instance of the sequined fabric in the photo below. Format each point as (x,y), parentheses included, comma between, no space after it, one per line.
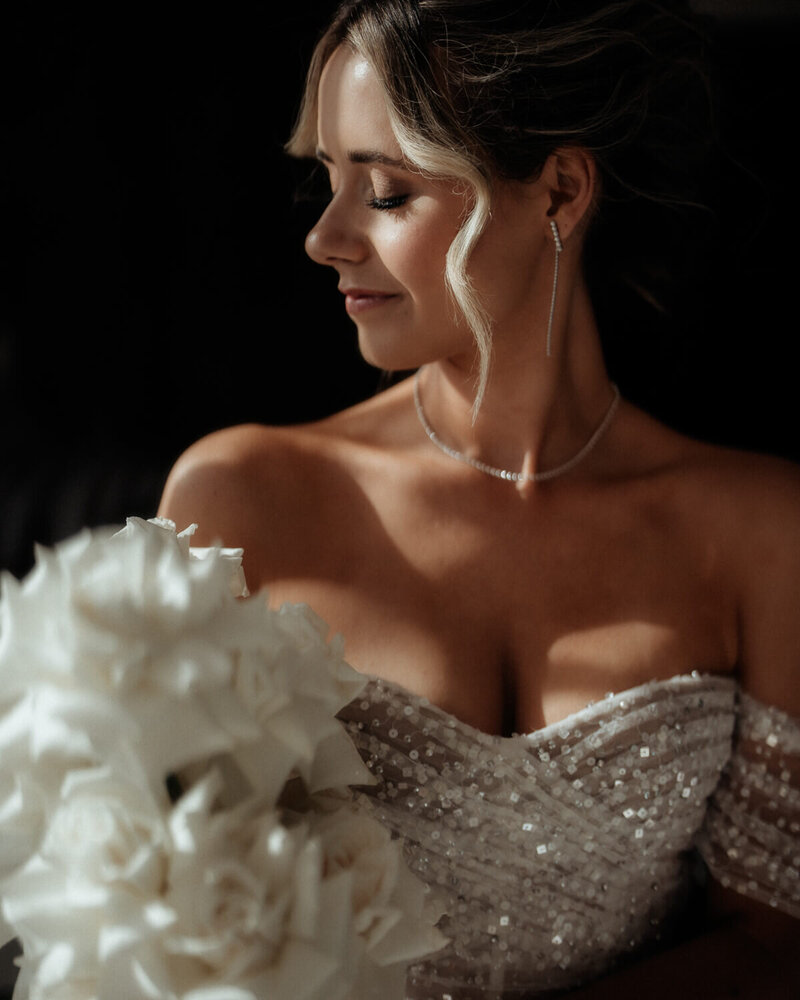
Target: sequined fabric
(751,837)
(556,853)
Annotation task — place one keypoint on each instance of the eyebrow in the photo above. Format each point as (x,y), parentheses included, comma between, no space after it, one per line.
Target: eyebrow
(365,156)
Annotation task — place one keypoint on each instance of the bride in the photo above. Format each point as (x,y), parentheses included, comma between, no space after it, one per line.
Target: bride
(503,540)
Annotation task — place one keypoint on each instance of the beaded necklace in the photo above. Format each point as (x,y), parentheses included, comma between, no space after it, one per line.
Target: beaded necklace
(516,477)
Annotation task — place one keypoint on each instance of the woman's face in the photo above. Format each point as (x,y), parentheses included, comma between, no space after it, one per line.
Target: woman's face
(387,230)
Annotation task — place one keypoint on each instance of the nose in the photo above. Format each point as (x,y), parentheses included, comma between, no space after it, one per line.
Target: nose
(335,238)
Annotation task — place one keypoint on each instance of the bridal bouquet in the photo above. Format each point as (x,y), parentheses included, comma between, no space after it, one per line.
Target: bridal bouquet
(175,821)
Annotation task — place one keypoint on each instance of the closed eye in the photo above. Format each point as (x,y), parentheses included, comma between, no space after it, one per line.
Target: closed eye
(386,204)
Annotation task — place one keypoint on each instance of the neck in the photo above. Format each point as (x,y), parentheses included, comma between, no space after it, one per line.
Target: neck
(538,412)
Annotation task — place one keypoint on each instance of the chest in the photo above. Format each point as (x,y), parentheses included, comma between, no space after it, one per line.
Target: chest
(514,621)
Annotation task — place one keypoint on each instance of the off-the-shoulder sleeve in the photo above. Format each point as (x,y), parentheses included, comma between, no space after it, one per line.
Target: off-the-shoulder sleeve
(751,838)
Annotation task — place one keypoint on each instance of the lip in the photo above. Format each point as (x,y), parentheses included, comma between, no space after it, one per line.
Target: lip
(358,300)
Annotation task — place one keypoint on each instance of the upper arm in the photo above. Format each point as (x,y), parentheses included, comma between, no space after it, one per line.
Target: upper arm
(769,585)
(753,827)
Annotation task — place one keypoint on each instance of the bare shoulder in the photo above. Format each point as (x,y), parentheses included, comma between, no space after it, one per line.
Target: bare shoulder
(745,493)
(236,481)
(768,554)
(282,493)
(752,509)
(754,498)
(738,512)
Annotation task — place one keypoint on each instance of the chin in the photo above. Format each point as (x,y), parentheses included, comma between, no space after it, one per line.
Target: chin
(386,355)
(407,351)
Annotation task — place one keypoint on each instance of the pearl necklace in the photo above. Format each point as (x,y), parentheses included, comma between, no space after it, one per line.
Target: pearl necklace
(516,477)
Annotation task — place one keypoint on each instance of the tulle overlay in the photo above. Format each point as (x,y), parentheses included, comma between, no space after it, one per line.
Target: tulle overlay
(558,853)
(751,836)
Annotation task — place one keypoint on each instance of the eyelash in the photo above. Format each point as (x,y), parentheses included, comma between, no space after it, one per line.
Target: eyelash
(387,204)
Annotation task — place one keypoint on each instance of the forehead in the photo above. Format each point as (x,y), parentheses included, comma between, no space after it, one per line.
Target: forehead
(351,107)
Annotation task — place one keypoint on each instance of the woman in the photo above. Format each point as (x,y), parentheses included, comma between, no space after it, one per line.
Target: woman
(502,540)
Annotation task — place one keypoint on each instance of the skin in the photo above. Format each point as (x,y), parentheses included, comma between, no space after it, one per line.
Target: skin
(655,556)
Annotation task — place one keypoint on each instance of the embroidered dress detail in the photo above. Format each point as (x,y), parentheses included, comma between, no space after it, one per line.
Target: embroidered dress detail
(557,853)
(751,839)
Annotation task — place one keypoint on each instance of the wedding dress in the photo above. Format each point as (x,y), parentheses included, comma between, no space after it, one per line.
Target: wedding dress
(557,853)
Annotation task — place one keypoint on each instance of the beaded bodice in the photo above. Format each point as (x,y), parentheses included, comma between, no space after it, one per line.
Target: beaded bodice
(555,853)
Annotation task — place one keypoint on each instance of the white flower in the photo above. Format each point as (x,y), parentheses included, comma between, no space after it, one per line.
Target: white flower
(393,915)
(163,747)
(363,849)
(245,889)
(294,683)
(99,874)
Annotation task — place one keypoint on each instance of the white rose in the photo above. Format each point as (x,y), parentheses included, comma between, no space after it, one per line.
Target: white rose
(112,635)
(245,890)
(364,849)
(89,898)
(128,659)
(108,831)
(393,914)
(294,684)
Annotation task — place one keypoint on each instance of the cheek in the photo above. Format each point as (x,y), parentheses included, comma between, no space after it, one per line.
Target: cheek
(510,270)
(417,258)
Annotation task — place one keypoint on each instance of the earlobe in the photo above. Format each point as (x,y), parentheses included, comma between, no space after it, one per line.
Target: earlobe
(573,178)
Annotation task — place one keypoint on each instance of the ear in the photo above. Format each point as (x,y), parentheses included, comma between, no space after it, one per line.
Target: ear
(571,176)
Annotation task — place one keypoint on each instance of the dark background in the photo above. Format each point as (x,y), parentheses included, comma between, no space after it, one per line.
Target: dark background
(153,285)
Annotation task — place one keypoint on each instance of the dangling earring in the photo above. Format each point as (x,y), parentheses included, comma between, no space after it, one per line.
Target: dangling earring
(559,247)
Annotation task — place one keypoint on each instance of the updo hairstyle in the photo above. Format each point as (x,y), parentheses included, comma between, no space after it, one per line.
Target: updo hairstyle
(481,90)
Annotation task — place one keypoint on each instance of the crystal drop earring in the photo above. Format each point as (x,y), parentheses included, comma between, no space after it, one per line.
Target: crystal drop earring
(558,248)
